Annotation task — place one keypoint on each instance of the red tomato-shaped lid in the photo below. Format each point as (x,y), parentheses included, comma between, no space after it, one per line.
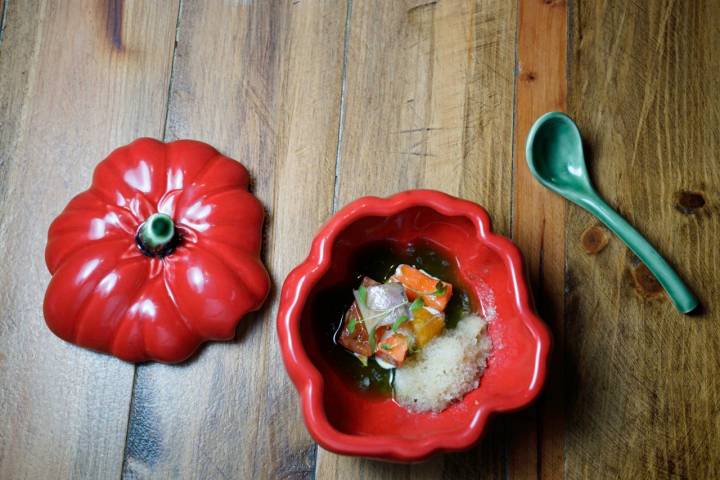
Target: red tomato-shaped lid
(160,254)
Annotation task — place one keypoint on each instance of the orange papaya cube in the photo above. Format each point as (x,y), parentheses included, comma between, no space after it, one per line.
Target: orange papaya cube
(426,325)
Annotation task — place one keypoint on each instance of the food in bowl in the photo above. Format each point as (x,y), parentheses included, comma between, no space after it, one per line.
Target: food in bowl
(349,408)
(399,324)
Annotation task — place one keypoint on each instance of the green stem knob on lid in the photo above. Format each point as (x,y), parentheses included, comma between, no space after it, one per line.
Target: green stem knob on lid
(156,236)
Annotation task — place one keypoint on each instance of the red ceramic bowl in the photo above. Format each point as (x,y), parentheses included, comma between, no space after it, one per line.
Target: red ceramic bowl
(345,420)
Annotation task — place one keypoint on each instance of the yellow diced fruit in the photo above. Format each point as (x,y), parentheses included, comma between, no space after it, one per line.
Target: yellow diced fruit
(426,326)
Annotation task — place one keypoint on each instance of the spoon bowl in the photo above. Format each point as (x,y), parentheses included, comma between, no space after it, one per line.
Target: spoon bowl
(555,157)
(557,137)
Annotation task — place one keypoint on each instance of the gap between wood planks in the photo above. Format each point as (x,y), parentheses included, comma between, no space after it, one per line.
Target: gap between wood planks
(164,135)
(341,117)
(338,151)
(538,226)
(3,18)
(172,70)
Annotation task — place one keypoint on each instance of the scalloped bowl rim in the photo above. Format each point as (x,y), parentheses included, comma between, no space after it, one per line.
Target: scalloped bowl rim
(309,381)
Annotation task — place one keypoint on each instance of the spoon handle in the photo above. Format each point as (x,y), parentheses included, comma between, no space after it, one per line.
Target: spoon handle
(678,292)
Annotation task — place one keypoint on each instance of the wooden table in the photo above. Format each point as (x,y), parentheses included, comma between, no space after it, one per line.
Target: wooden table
(328,101)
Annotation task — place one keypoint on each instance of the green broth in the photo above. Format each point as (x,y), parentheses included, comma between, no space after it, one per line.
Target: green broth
(379,261)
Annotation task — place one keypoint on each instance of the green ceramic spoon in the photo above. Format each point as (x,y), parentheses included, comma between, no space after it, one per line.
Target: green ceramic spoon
(555,156)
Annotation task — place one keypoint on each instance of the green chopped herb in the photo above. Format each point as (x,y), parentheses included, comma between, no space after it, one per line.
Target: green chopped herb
(371,339)
(417,304)
(440,289)
(362,294)
(351,325)
(386,346)
(363,359)
(398,322)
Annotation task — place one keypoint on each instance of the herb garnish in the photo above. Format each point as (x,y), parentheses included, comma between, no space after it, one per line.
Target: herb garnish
(351,325)
(416,304)
(362,295)
(386,346)
(440,289)
(398,322)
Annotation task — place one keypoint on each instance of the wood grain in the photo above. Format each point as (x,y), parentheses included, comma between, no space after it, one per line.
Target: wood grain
(65,102)
(428,103)
(536,447)
(643,402)
(261,81)
(328,101)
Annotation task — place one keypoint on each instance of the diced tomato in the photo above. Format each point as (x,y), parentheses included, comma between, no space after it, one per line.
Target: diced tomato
(434,292)
(393,349)
(354,335)
(426,325)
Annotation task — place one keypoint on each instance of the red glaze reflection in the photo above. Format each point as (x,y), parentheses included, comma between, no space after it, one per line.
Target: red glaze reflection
(107,295)
(343,419)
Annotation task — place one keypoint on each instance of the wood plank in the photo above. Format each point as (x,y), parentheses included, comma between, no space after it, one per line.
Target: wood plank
(76,80)
(429,104)
(643,403)
(539,230)
(261,81)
